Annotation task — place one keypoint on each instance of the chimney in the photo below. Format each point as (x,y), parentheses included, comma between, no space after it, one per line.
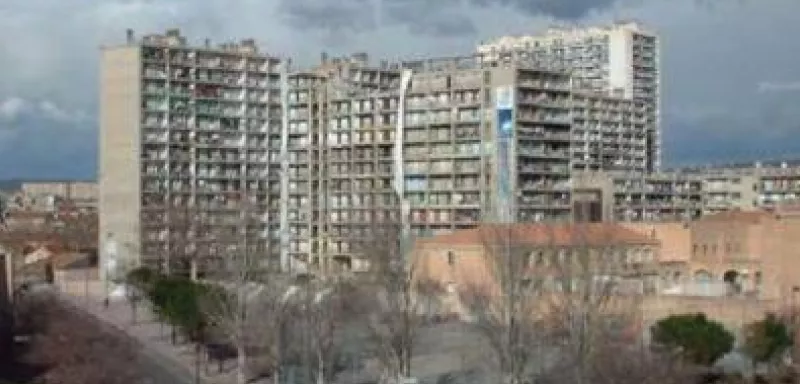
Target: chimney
(129,36)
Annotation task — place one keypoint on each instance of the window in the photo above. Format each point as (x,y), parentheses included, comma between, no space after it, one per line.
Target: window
(647,255)
(451,258)
(562,257)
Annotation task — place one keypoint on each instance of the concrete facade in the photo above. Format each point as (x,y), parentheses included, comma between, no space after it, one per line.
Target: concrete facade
(453,141)
(186,127)
(458,140)
(644,197)
(621,59)
(440,144)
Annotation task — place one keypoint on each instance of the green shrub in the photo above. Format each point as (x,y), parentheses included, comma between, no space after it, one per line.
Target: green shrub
(766,340)
(697,339)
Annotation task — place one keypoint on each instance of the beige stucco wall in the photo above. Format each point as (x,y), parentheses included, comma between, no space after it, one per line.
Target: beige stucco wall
(120,116)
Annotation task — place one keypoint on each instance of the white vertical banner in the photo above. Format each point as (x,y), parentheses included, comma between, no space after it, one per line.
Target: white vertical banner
(504,97)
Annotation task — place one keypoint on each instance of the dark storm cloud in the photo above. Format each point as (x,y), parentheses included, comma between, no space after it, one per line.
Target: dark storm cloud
(331,16)
(436,18)
(441,18)
(557,9)
(729,73)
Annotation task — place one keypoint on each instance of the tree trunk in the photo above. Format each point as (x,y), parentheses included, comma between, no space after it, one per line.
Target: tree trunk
(320,367)
(193,270)
(133,313)
(241,365)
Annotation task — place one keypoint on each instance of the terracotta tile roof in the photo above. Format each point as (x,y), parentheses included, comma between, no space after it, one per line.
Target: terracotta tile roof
(58,261)
(545,235)
(755,216)
(23,240)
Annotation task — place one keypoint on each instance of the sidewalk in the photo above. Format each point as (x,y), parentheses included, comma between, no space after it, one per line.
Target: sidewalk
(153,336)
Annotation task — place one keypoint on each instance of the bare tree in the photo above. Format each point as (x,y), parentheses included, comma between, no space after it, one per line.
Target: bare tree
(557,296)
(598,294)
(503,308)
(187,224)
(79,231)
(322,311)
(245,301)
(394,295)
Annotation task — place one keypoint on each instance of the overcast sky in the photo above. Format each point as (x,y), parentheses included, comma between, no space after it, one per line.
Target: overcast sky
(730,68)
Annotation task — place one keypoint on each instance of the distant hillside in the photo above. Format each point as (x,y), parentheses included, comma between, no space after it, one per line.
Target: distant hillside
(10,185)
(15,184)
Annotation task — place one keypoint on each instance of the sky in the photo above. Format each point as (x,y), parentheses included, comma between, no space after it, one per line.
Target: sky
(730,68)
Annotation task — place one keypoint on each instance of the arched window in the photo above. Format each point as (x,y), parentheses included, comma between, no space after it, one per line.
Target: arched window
(731,278)
(703,276)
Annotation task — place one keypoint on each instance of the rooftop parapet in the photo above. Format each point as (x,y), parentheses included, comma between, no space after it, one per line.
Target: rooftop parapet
(173,38)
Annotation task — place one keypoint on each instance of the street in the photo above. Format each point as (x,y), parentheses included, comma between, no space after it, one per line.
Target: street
(157,370)
(154,367)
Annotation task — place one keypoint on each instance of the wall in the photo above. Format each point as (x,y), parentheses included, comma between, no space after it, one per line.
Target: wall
(119,183)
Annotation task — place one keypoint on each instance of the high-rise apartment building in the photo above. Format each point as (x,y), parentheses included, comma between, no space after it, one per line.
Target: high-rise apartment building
(608,133)
(188,127)
(621,59)
(457,140)
(318,155)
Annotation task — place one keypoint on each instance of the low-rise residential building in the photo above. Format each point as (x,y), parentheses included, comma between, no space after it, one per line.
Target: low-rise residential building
(730,254)
(52,195)
(735,266)
(467,259)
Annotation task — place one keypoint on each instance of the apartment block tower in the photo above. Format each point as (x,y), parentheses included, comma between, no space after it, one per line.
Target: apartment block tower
(315,156)
(452,142)
(620,59)
(188,127)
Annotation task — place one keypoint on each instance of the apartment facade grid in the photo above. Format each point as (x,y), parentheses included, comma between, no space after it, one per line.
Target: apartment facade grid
(307,160)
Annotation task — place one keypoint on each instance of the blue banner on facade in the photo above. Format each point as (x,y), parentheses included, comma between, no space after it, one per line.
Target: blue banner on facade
(505,123)
(505,133)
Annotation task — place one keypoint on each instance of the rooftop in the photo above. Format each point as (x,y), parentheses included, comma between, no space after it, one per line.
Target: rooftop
(753,217)
(593,234)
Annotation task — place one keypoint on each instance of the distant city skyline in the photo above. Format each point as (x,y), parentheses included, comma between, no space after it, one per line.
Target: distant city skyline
(721,103)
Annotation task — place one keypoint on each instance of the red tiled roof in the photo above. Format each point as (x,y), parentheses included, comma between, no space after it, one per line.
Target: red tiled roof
(755,216)
(545,235)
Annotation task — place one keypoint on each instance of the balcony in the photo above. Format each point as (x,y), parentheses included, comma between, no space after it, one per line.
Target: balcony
(155,138)
(544,168)
(543,152)
(545,118)
(544,84)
